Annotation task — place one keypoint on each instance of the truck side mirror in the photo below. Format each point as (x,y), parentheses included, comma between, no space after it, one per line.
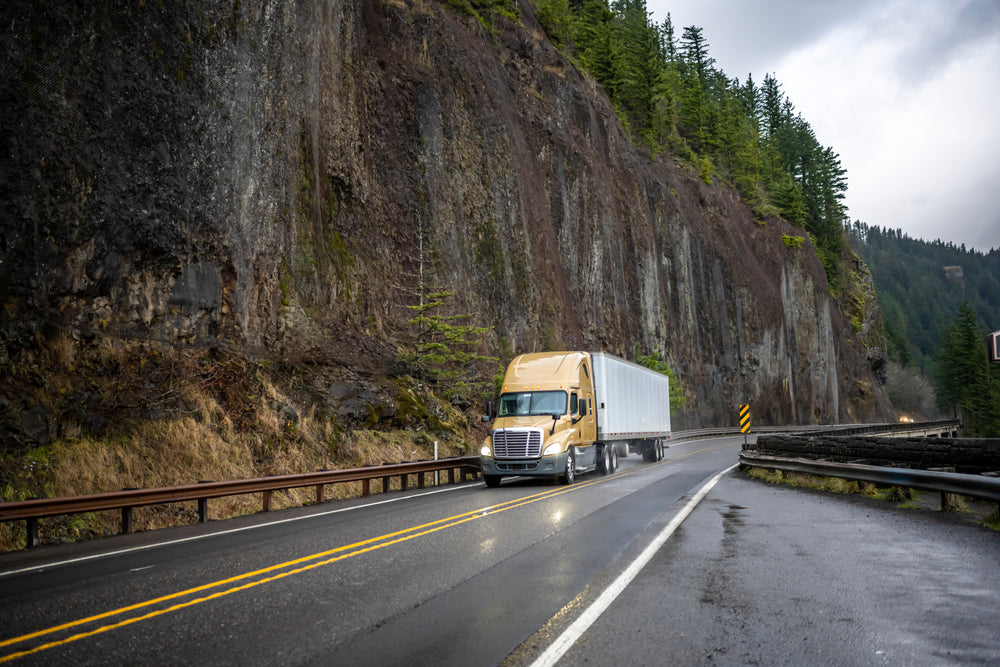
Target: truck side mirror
(583,408)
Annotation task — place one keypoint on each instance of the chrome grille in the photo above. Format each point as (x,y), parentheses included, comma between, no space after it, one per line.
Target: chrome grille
(517,443)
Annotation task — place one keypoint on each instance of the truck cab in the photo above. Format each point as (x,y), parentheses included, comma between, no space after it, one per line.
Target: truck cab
(546,421)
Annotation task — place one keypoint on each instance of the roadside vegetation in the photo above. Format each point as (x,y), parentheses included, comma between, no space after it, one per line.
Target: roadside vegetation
(141,415)
(902,497)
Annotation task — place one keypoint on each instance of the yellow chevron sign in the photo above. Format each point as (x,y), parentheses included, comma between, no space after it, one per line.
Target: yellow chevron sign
(745,418)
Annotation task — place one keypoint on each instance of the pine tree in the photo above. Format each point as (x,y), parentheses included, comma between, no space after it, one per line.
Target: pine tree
(669,40)
(771,99)
(557,22)
(787,198)
(965,383)
(667,93)
(443,351)
(592,34)
(640,66)
(695,49)
(695,113)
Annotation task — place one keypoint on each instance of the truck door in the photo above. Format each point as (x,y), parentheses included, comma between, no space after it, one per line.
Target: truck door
(587,409)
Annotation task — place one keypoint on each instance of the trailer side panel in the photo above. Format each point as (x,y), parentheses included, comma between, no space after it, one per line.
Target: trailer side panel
(632,401)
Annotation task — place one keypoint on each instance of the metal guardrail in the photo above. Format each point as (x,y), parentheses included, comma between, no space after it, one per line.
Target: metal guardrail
(975,486)
(895,429)
(32,510)
(827,429)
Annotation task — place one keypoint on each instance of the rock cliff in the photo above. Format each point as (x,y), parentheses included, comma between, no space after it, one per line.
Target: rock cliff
(269,178)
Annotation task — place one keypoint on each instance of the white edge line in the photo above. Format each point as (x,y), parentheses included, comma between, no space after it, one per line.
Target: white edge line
(156,545)
(565,641)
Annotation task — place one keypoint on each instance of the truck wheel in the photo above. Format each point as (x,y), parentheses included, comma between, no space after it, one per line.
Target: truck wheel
(659,450)
(569,475)
(492,481)
(604,465)
(613,460)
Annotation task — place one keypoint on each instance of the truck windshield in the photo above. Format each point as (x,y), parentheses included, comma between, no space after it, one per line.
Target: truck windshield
(533,403)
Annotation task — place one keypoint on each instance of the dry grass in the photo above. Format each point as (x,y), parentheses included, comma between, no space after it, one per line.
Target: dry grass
(831,484)
(217,417)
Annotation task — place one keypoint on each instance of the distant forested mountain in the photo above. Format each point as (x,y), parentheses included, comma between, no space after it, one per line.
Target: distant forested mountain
(921,286)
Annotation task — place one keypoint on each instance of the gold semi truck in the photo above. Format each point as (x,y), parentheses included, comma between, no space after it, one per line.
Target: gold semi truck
(561,414)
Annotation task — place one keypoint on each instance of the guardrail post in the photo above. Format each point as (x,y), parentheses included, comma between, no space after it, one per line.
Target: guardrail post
(365,488)
(203,504)
(404,482)
(451,475)
(126,520)
(319,493)
(421,480)
(31,532)
(386,484)
(267,500)
(949,501)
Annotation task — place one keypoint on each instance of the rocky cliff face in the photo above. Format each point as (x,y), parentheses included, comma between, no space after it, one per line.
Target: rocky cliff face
(272,176)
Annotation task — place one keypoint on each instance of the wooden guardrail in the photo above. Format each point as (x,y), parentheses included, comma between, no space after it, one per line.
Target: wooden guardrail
(32,510)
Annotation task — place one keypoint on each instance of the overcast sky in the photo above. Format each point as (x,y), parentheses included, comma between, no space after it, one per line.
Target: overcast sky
(906,91)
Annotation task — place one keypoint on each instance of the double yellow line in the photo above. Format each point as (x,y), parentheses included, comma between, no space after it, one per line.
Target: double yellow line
(268,574)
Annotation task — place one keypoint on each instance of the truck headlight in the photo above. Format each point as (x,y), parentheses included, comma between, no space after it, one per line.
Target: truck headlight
(554,448)
(486,451)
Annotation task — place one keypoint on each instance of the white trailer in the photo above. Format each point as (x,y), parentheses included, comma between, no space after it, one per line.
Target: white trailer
(633,406)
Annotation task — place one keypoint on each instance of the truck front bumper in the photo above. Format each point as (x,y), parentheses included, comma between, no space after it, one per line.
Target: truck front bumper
(545,466)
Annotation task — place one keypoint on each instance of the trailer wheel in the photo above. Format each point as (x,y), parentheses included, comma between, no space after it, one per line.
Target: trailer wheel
(569,475)
(492,481)
(613,460)
(660,450)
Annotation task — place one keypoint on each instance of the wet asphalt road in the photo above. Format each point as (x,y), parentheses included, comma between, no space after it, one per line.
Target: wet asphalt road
(757,574)
(774,575)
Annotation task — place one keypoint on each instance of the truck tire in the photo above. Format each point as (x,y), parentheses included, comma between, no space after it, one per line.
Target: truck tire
(604,464)
(492,481)
(614,460)
(569,474)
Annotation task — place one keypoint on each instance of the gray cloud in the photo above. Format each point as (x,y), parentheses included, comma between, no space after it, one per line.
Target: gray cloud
(753,35)
(946,36)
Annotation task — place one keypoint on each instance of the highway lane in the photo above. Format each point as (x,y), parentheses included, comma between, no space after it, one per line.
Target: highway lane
(772,575)
(455,576)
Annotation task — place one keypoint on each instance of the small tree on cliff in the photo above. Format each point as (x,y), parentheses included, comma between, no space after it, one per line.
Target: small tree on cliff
(446,351)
